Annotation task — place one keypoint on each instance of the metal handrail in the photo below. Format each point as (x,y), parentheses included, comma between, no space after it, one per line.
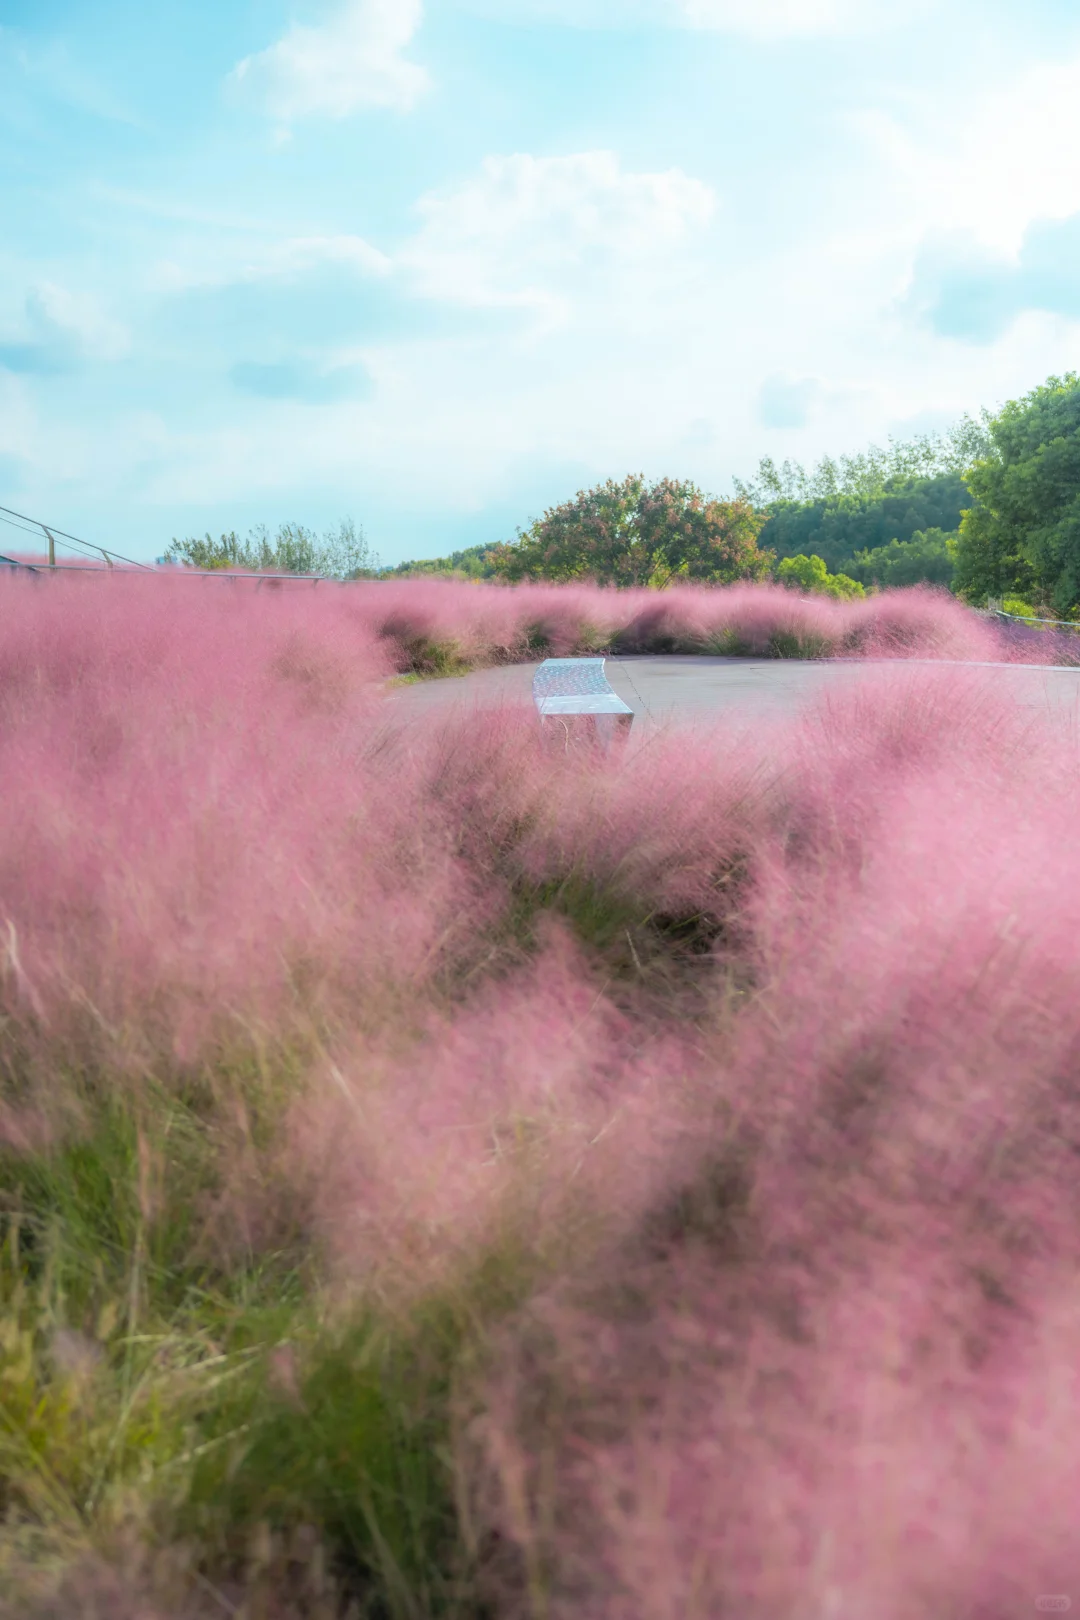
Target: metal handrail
(1022,618)
(51,533)
(168,573)
(113,558)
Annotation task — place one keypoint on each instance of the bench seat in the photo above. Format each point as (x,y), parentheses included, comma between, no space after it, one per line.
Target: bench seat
(572,686)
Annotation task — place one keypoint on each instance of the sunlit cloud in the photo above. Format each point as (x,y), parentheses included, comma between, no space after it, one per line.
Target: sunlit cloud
(354,60)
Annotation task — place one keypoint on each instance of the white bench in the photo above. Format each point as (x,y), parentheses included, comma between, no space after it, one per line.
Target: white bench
(566,687)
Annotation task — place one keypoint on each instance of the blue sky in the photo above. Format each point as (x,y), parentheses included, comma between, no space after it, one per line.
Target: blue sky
(440,263)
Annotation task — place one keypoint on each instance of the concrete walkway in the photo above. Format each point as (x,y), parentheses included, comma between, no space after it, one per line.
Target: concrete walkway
(663,689)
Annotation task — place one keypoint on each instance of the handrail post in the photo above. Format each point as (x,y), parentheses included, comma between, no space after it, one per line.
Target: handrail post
(52,547)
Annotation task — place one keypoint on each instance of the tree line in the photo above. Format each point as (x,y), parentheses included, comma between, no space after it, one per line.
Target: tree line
(883,518)
(341,553)
(990,509)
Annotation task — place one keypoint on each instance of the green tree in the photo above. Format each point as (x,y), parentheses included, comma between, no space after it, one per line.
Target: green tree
(811,574)
(848,505)
(1022,533)
(634,533)
(874,471)
(341,553)
(473,563)
(841,526)
(928,557)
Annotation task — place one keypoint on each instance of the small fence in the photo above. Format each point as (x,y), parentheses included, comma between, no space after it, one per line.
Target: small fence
(996,611)
(112,561)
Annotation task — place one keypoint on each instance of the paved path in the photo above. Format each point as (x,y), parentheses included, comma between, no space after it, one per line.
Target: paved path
(663,689)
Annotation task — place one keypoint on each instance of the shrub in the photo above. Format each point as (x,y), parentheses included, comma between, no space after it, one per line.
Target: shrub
(431,624)
(1018,608)
(811,574)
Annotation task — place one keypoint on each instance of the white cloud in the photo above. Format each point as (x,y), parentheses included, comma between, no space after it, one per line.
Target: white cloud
(997,162)
(353,60)
(774,18)
(73,324)
(571,13)
(757,19)
(291,257)
(303,252)
(530,230)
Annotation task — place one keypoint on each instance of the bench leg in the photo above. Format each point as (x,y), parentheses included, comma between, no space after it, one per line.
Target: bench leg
(594,731)
(612,729)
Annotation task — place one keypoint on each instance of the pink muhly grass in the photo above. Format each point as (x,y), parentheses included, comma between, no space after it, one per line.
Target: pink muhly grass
(876,1437)
(495,623)
(212,834)
(671,825)
(513,1126)
(753,1055)
(848,1382)
(185,786)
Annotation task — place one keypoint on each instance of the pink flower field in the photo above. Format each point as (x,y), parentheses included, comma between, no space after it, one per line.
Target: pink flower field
(446,1176)
(440,626)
